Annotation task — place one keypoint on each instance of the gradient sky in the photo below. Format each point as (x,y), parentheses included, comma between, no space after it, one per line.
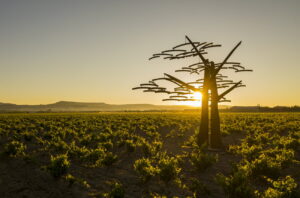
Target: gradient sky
(96,51)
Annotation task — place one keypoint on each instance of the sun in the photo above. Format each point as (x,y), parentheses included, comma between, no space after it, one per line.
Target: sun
(197,96)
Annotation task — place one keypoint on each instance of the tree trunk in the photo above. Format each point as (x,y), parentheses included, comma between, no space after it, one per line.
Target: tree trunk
(203,131)
(215,133)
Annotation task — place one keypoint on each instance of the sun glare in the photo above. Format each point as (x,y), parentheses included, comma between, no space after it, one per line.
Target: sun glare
(198,97)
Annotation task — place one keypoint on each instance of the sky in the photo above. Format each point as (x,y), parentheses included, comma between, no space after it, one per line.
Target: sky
(96,50)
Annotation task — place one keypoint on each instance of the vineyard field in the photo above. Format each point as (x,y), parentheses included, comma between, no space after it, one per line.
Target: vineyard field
(148,154)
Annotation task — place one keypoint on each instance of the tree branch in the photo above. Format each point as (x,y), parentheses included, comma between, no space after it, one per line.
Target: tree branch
(182,83)
(229,90)
(228,56)
(196,49)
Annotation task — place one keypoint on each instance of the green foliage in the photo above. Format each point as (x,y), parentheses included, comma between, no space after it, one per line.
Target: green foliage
(28,136)
(150,149)
(109,158)
(75,180)
(108,145)
(236,185)
(58,145)
(155,195)
(281,188)
(202,160)
(165,167)
(199,156)
(145,169)
(97,141)
(248,152)
(263,165)
(15,149)
(78,152)
(94,156)
(168,168)
(117,191)
(198,188)
(59,165)
(130,145)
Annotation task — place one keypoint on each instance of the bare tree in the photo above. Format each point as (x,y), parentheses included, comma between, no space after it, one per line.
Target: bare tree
(209,85)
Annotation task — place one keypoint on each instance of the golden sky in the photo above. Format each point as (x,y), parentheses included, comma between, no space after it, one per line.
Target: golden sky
(96,51)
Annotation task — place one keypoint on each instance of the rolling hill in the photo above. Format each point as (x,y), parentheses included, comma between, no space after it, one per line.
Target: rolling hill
(84,106)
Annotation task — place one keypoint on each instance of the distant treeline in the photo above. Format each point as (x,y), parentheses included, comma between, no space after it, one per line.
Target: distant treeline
(262,109)
(256,109)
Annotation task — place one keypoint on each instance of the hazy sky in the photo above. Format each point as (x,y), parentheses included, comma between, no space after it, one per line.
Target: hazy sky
(96,51)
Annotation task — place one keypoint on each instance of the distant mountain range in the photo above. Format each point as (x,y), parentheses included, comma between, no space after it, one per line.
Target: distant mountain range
(84,106)
(67,106)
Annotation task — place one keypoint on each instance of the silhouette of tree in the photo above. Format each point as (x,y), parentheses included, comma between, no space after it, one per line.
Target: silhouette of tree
(209,85)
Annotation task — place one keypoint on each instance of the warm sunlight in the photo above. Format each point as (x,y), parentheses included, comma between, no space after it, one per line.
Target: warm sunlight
(122,98)
(198,97)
